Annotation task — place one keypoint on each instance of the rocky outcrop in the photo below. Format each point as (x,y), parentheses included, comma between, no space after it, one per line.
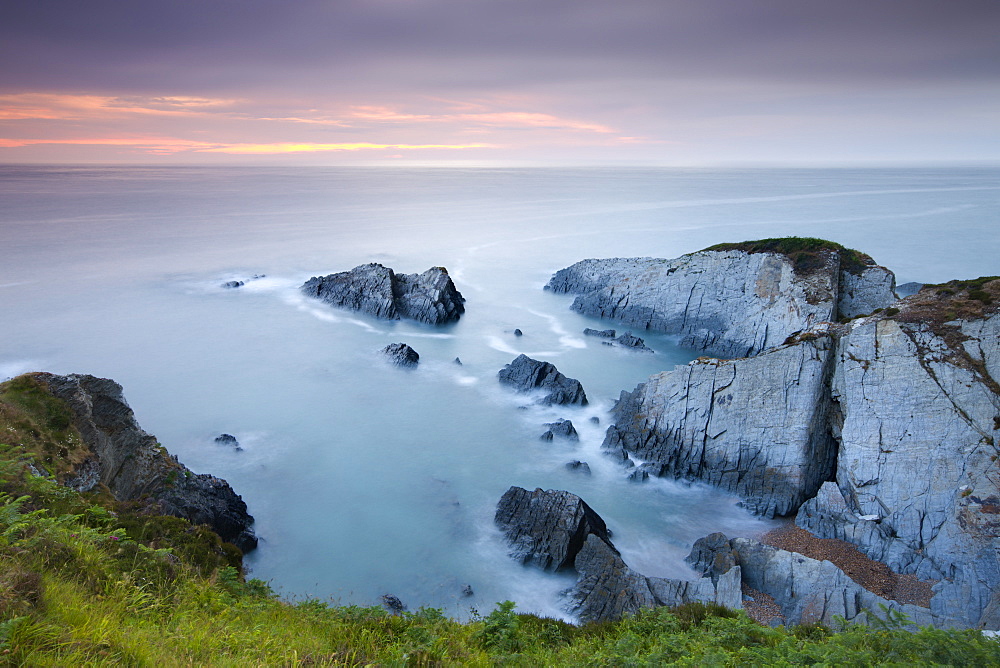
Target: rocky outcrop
(528,375)
(608,589)
(132,465)
(547,528)
(807,590)
(756,427)
(429,297)
(556,530)
(600,333)
(917,477)
(401,354)
(562,429)
(629,340)
(730,302)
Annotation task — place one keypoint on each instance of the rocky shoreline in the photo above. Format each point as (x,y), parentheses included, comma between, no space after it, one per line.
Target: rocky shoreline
(871,421)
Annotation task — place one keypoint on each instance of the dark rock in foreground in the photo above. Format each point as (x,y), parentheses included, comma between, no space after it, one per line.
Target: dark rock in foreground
(401,354)
(558,530)
(526,375)
(547,528)
(374,289)
(562,429)
(132,465)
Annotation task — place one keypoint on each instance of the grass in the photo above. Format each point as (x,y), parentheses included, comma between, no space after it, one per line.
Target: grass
(88,582)
(808,254)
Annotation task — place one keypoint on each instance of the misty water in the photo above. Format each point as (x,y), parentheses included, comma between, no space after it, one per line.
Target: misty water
(365,478)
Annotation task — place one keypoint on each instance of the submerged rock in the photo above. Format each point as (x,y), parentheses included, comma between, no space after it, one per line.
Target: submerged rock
(528,375)
(230,440)
(628,340)
(733,300)
(132,465)
(600,333)
(401,354)
(233,284)
(518,332)
(429,297)
(578,467)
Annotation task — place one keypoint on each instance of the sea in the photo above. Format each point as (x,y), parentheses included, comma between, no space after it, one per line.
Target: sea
(367,479)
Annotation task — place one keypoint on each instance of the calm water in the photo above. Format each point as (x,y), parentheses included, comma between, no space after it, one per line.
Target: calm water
(366,479)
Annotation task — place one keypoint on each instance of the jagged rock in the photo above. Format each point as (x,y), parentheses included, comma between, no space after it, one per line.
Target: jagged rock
(578,467)
(132,465)
(608,589)
(374,289)
(639,474)
(458,361)
(807,590)
(393,604)
(731,302)
(227,439)
(518,332)
(562,429)
(601,333)
(527,375)
(917,409)
(627,340)
(755,426)
(558,530)
(401,354)
(547,528)
(232,284)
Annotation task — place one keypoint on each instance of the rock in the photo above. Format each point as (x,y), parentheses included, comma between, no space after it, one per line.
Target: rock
(578,467)
(756,427)
(627,340)
(608,589)
(601,333)
(807,590)
(429,297)
(595,420)
(458,361)
(518,332)
(907,289)
(735,301)
(639,474)
(132,465)
(467,591)
(562,429)
(528,375)
(556,530)
(547,528)
(232,284)
(227,439)
(917,408)
(401,354)
(393,604)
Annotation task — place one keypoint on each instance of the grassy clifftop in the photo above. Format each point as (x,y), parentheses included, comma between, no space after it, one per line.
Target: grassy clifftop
(85,580)
(806,253)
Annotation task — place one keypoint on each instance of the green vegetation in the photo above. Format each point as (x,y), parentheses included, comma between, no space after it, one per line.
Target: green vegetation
(807,254)
(88,581)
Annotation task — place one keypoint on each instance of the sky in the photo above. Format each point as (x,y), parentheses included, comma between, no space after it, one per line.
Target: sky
(500,82)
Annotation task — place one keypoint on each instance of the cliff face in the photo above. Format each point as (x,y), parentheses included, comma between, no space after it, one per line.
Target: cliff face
(755,427)
(917,479)
(883,430)
(732,303)
(132,465)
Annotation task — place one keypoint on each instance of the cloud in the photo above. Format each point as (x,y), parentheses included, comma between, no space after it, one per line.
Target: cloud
(70,106)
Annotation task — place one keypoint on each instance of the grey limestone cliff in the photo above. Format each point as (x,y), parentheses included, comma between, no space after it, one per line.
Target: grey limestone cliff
(756,427)
(429,297)
(132,465)
(732,302)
